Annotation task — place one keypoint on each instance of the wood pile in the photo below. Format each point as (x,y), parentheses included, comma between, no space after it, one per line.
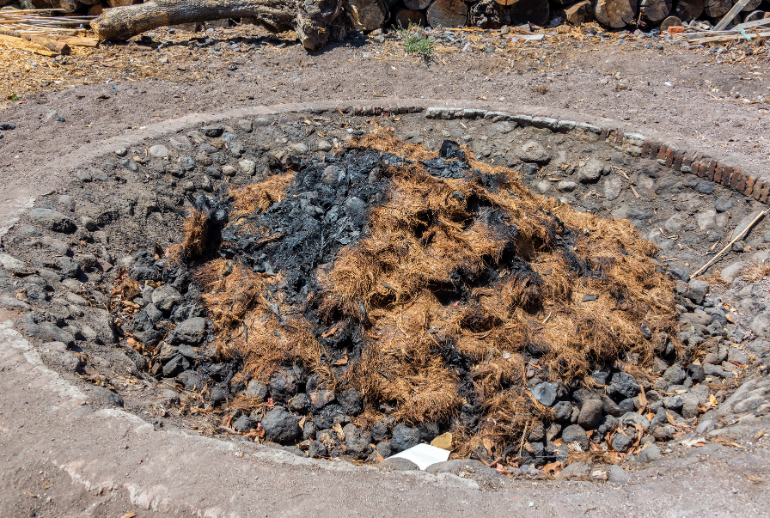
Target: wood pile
(318,22)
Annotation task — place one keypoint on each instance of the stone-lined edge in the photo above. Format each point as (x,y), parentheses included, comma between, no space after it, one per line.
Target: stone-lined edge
(633,144)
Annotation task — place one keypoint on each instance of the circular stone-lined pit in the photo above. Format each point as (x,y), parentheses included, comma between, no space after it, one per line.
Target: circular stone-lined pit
(232,279)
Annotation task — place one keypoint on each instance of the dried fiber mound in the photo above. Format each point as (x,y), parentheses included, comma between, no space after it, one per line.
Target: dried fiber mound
(435,286)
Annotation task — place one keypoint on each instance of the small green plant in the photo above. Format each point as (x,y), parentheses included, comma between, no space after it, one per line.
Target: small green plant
(414,41)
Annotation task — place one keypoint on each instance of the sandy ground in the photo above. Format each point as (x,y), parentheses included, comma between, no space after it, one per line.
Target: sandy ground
(51,446)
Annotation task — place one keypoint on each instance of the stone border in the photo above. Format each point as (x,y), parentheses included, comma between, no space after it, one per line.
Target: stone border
(634,144)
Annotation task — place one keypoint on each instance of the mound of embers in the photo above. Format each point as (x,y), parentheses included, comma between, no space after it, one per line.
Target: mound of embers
(387,295)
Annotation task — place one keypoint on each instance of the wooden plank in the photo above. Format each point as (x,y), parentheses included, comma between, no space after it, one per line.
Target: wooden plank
(56,46)
(738,7)
(749,25)
(728,37)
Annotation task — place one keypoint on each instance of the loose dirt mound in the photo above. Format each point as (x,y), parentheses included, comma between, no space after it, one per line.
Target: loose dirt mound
(432,284)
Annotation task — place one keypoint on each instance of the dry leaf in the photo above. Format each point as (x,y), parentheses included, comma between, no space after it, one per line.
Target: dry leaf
(642,401)
(330,332)
(340,434)
(713,400)
(489,445)
(670,418)
(759,434)
(129,515)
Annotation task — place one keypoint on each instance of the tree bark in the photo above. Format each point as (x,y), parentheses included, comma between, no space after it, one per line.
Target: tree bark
(615,13)
(717,8)
(530,11)
(417,5)
(655,10)
(689,10)
(365,15)
(579,13)
(447,14)
(119,3)
(751,6)
(489,14)
(405,17)
(312,20)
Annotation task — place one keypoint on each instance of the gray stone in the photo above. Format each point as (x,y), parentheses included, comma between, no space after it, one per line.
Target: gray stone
(351,402)
(566,186)
(715,370)
(674,375)
(737,356)
(49,332)
(631,418)
(673,402)
(379,431)
(102,322)
(316,450)
(300,403)
(649,454)
(575,433)
(242,424)
(621,443)
(730,273)
(281,426)
(213,131)
(562,411)
(247,166)
(13,303)
(261,122)
(256,390)
(532,151)
(105,397)
(404,437)
(191,331)
(705,187)
(612,188)
(618,475)
(545,393)
(723,205)
(357,441)
(591,414)
(52,220)
(166,297)
(246,125)
(13,265)
(283,385)
(592,171)
(706,219)
(62,359)
(159,151)
(623,384)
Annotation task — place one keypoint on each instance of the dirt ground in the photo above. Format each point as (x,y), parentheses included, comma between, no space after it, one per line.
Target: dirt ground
(51,447)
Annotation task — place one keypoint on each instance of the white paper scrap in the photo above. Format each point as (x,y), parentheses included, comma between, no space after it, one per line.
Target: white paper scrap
(423,455)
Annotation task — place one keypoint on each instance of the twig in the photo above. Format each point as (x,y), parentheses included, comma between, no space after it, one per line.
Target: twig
(726,248)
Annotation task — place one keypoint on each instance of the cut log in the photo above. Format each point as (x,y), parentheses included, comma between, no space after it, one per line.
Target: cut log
(671,21)
(530,11)
(717,8)
(732,15)
(365,15)
(655,10)
(579,13)
(68,6)
(120,3)
(417,5)
(504,3)
(447,14)
(615,13)
(313,20)
(489,14)
(689,10)
(752,5)
(96,10)
(405,17)
(754,16)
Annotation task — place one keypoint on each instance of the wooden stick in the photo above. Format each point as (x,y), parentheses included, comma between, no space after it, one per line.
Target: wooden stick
(52,45)
(713,259)
(738,7)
